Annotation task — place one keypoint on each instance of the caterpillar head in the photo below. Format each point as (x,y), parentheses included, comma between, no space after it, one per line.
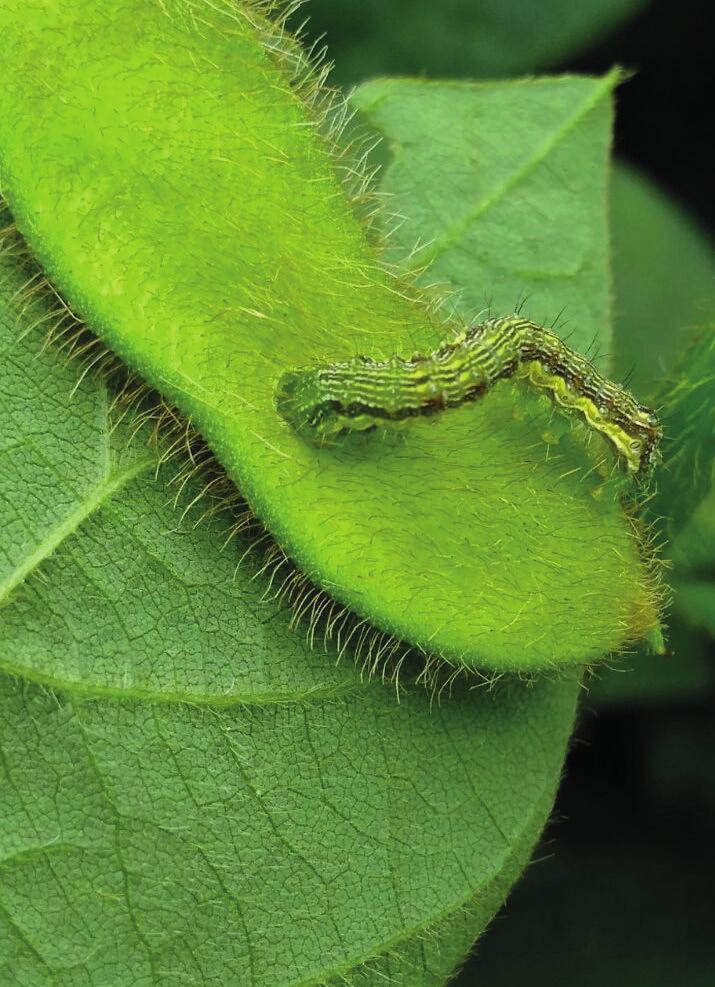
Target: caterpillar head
(316,404)
(299,402)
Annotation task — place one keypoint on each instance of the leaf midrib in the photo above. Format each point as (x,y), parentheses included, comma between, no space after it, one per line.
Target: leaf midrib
(111,484)
(425,257)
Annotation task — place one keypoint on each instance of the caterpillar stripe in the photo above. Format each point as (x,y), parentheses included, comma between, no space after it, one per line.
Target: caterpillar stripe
(361,393)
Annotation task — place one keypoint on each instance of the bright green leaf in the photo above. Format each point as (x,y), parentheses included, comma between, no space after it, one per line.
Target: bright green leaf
(162,171)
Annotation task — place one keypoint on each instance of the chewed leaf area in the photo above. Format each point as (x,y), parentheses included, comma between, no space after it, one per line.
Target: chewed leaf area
(489,540)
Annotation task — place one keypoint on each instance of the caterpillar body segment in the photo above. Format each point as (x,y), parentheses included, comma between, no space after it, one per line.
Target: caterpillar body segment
(361,393)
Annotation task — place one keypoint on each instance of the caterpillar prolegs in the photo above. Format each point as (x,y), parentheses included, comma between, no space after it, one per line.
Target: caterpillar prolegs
(361,393)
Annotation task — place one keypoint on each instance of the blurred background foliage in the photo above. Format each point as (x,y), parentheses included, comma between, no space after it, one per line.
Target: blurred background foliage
(457,38)
(621,889)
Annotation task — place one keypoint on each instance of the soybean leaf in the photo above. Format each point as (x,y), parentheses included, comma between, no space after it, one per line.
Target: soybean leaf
(108,116)
(522,219)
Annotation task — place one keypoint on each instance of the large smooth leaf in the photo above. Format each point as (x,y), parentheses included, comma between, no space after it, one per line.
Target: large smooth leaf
(187,792)
(504,230)
(468,38)
(483,535)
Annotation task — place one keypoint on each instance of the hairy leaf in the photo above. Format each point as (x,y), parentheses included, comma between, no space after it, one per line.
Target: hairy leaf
(168,177)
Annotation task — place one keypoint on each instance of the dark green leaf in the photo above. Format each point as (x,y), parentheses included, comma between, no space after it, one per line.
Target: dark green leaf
(663,281)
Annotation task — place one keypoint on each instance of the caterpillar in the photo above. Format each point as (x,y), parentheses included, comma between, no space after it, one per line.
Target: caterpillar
(361,393)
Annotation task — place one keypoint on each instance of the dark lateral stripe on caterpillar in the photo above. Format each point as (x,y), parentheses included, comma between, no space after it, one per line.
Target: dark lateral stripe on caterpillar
(359,394)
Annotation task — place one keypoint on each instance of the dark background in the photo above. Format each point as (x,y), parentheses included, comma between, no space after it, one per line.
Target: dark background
(620,890)
(664,118)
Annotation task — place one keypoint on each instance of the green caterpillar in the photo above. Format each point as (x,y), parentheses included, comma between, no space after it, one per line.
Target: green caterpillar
(361,393)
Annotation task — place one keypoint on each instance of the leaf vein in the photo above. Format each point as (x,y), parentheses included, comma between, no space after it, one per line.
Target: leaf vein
(95,499)
(453,233)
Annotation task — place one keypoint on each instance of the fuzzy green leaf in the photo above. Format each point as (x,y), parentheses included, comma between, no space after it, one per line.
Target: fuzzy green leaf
(187,792)
(157,158)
